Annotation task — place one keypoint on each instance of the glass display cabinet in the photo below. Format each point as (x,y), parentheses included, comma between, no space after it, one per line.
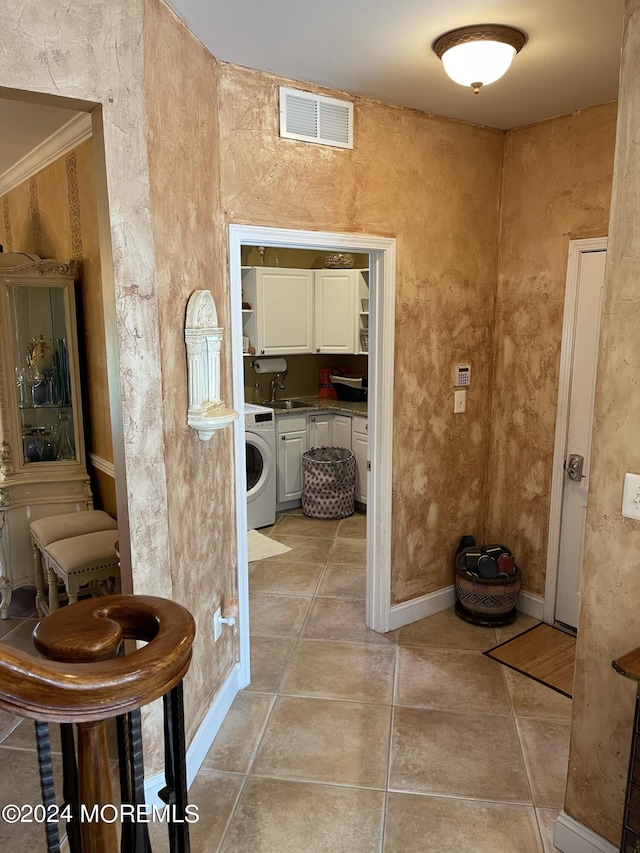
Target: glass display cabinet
(42,458)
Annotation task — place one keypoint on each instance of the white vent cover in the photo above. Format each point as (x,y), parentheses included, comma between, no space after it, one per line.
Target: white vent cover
(314,118)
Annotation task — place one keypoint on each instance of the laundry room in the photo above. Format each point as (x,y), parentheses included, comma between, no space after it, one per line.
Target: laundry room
(305,352)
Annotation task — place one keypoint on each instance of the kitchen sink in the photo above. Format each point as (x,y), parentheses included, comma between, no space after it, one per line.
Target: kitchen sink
(288,404)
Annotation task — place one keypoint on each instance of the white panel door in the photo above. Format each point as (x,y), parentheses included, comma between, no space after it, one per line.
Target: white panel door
(578,447)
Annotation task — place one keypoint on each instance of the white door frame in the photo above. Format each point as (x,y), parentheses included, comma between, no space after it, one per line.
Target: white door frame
(382,271)
(576,249)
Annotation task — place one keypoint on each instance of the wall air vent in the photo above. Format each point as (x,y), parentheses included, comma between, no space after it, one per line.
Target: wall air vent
(314,118)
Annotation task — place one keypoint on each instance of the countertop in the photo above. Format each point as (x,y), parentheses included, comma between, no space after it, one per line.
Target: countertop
(323,404)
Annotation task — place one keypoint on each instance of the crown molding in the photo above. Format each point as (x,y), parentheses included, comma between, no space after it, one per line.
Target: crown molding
(70,135)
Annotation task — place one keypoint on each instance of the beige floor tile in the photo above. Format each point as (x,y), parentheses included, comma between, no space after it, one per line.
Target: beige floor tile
(277,615)
(459,755)
(288,578)
(269,659)
(8,723)
(301,525)
(236,742)
(349,581)
(8,625)
(417,824)
(522,623)
(351,671)
(21,768)
(354,527)
(325,741)
(532,699)
(20,637)
(275,816)
(24,737)
(311,549)
(341,619)
(547,822)
(545,744)
(445,630)
(459,681)
(214,795)
(349,551)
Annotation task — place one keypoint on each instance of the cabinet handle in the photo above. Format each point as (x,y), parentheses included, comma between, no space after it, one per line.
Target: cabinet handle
(283,438)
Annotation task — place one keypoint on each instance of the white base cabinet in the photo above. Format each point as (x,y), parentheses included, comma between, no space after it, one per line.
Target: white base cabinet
(341,431)
(295,434)
(320,430)
(360,448)
(292,443)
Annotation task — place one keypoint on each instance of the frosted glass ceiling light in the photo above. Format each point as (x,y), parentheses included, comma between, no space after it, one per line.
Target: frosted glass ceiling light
(479,55)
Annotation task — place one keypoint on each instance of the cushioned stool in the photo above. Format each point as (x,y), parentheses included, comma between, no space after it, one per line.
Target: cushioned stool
(52,528)
(81,563)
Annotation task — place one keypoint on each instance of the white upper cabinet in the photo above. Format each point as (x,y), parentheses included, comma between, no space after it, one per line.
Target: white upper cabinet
(334,303)
(302,311)
(280,321)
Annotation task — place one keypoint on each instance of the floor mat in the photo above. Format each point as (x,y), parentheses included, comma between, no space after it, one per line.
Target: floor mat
(544,653)
(260,546)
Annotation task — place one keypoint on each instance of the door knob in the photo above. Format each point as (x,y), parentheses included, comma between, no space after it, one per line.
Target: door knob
(574,467)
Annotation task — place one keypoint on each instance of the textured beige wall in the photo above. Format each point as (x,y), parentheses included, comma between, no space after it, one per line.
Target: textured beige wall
(434,185)
(181,84)
(54,215)
(609,616)
(556,187)
(96,52)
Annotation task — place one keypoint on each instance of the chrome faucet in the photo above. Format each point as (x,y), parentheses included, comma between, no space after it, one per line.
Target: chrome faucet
(278,381)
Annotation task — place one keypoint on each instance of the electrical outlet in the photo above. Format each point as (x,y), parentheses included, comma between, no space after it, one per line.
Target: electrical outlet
(631,496)
(217,627)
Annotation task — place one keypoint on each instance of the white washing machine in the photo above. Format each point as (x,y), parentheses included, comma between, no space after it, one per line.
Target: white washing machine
(260,451)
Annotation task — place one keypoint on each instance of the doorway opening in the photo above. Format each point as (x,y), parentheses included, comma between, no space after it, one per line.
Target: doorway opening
(66,169)
(574,426)
(381,253)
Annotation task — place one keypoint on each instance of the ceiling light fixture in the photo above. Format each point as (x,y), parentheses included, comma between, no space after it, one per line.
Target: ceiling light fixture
(479,55)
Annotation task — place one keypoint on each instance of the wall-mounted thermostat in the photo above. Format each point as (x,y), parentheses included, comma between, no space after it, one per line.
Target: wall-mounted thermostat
(462,374)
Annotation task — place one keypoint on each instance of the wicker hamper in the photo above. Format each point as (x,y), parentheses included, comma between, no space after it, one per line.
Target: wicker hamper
(328,482)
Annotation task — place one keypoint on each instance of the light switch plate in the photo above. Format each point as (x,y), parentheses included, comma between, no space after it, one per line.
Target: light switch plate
(631,496)
(459,401)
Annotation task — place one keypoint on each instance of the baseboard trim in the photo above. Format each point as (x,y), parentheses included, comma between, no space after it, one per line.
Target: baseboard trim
(571,836)
(426,605)
(531,604)
(204,737)
(419,608)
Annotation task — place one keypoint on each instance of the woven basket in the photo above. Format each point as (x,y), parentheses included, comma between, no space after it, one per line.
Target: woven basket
(494,597)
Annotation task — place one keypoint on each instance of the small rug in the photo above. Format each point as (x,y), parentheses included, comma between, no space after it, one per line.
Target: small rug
(260,546)
(544,653)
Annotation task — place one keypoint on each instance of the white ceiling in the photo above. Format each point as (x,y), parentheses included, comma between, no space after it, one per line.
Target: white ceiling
(25,126)
(382,49)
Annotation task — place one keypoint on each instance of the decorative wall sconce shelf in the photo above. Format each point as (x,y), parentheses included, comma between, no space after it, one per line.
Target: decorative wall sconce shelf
(207,412)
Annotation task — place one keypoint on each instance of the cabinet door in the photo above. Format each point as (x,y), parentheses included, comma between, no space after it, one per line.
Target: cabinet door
(341,431)
(284,311)
(360,447)
(334,300)
(292,441)
(320,430)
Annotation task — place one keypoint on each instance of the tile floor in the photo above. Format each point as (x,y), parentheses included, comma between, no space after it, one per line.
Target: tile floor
(348,741)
